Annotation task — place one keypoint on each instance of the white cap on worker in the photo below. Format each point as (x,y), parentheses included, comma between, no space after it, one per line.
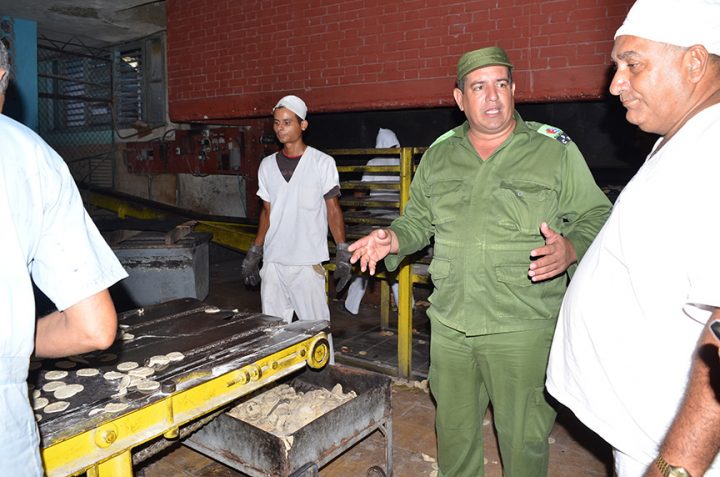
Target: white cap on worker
(386,138)
(675,22)
(294,104)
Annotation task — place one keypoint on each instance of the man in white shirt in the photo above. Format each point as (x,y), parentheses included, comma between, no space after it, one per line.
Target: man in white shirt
(631,356)
(300,189)
(49,239)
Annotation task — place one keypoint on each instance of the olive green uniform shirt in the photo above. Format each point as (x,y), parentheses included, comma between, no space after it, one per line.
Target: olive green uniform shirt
(485,217)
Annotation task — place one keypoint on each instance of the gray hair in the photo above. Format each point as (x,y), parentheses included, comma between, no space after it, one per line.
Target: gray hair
(4,65)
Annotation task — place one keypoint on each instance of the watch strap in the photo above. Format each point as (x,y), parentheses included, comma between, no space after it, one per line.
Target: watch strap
(663,466)
(668,470)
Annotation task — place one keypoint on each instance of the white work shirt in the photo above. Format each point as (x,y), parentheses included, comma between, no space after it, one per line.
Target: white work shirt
(46,234)
(298,213)
(622,351)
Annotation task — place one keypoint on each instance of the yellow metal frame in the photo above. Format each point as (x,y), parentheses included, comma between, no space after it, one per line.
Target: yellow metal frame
(405,276)
(106,450)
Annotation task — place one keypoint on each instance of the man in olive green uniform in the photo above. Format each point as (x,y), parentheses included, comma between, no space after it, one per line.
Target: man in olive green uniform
(512,206)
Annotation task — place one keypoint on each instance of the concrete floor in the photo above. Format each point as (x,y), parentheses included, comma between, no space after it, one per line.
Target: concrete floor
(575,451)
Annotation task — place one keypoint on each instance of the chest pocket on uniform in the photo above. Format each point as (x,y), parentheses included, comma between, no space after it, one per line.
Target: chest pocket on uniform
(446,199)
(524,205)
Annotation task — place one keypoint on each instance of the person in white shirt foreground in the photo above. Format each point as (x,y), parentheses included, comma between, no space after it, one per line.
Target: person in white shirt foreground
(48,239)
(631,355)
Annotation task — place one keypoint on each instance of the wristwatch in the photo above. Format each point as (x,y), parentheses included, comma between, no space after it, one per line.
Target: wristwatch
(668,470)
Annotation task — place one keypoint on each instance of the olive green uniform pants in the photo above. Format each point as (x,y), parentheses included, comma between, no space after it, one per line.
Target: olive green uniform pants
(504,369)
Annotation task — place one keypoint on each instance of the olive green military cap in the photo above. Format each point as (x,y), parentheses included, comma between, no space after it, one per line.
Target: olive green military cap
(472,60)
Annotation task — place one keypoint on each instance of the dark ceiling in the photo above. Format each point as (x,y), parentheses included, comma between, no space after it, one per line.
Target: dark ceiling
(96,23)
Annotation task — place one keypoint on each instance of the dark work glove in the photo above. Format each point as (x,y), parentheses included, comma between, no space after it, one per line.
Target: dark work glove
(343,269)
(250,268)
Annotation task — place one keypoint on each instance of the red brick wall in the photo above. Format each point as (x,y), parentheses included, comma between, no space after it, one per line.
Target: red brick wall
(234,59)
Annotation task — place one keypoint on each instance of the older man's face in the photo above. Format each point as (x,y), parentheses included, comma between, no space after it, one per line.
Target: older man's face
(649,83)
(488,100)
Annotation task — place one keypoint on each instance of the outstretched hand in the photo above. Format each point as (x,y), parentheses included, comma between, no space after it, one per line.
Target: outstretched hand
(553,258)
(372,248)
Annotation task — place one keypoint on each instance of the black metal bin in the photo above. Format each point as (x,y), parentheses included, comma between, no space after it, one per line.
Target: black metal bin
(258,453)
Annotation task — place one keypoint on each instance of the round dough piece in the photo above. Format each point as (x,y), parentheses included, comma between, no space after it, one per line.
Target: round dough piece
(112,375)
(175,356)
(55,375)
(53,386)
(57,406)
(125,382)
(147,386)
(35,393)
(38,417)
(87,372)
(40,403)
(66,364)
(127,366)
(116,406)
(128,336)
(159,360)
(142,371)
(68,391)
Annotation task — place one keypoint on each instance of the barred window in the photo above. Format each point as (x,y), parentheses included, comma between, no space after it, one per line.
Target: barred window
(139,89)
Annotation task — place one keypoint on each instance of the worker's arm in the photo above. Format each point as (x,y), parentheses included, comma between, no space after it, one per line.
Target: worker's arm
(336,222)
(88,325)
(263,224)
(693,440)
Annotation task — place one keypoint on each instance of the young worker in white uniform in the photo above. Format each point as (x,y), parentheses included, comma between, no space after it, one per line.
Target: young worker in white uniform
(386,138)
(631,355)
(300,189)
(48,239)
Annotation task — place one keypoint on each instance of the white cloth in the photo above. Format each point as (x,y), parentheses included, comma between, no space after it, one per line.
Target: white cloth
(356,292)
(298,213)
(622,349)
(47,235)
(386,138)
(294,104)
(675,22)
(294,288)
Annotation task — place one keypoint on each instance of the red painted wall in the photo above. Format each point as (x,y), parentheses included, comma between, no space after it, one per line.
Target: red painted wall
(235,59)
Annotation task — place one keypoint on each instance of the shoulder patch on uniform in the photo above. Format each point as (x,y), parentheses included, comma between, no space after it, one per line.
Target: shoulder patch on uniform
(446,135)
(555,133)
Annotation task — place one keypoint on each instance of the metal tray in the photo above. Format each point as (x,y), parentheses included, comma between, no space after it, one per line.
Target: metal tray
(258,453)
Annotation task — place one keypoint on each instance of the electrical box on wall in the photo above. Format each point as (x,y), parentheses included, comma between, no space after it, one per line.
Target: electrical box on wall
(200,151)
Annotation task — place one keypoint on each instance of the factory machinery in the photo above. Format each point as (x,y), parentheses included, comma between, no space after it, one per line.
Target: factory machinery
(177,367)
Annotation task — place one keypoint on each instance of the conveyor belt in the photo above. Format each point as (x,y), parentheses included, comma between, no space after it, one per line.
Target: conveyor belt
(226,354)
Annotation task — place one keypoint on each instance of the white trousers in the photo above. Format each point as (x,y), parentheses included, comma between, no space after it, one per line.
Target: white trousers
(286,289)
(356,292)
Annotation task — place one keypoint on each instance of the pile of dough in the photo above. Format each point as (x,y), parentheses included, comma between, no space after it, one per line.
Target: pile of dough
(282,410)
